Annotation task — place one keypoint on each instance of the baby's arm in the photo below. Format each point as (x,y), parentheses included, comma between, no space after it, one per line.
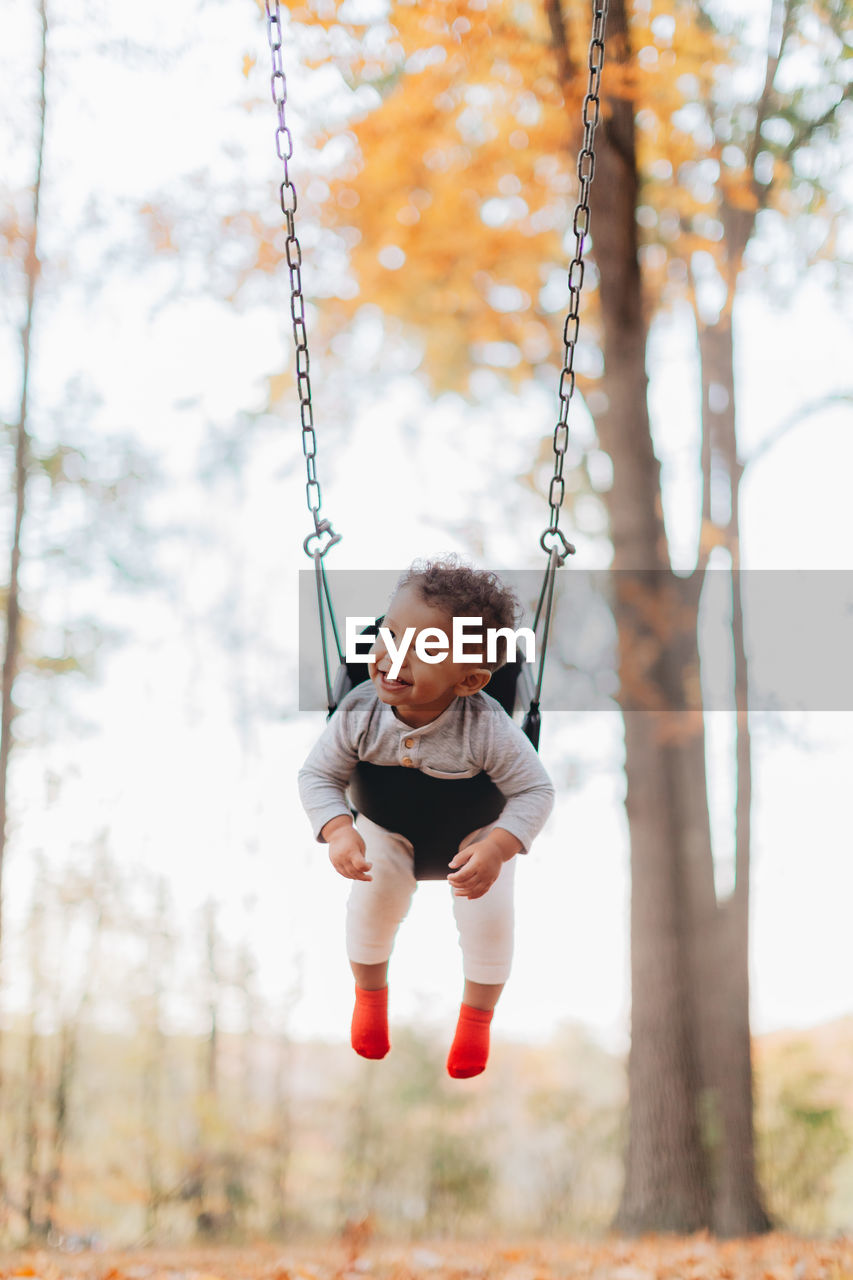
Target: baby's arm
(322,786)
(326,772)
(514,766)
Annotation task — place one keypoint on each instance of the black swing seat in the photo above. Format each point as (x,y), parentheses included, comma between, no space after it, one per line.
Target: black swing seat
(434,814)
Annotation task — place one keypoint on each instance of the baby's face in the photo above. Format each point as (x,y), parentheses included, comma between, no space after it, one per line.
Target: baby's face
(422,689)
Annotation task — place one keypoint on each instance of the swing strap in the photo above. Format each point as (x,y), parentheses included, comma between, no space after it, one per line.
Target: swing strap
(326,614)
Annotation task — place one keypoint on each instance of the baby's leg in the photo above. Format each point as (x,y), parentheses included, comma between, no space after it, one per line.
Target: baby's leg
(486,931)
(375,910)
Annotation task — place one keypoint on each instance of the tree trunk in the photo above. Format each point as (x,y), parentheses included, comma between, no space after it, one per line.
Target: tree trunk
(738,1208)
(281,1136)
(34,1087)
(67,1040)
(690,1028)
(666,1184)
(211,940)
(70,1032)
(160,948)
(11,655)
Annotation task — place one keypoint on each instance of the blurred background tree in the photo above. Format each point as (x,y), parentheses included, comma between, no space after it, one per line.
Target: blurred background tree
(455,180)
(69,505)
(803,1135)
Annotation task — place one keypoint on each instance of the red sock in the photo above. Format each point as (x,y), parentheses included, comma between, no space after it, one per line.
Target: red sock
(469,1052)
(370,1023)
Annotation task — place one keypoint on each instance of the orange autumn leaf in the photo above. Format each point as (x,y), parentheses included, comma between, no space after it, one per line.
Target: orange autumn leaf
(778,1256)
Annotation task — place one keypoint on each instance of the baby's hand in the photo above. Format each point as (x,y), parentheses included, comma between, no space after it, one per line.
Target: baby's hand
(476,868)
(346,853)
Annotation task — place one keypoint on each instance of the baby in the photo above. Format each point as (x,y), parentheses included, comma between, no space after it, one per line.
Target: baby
(432,716)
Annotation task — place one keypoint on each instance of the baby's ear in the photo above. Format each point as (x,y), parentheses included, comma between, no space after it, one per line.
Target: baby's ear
(474,681)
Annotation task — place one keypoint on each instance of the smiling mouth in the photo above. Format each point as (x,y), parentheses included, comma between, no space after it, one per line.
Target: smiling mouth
(392,685)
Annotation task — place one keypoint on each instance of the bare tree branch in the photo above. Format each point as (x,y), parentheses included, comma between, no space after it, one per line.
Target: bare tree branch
(825,402)
(781,26)
(560,41)
(807,131)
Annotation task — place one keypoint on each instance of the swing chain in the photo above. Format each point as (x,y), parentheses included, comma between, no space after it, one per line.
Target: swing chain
(553,535)
(293,249)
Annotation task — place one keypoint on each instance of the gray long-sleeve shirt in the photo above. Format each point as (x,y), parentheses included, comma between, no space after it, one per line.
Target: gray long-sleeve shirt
(473,734)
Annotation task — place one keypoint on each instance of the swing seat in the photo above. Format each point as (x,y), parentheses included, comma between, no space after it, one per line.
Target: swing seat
(434,814)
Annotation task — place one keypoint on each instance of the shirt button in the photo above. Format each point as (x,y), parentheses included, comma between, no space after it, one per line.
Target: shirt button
(410,742)
(407,761)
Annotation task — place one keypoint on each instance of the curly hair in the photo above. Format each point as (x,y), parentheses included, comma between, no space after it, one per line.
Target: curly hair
(465,592)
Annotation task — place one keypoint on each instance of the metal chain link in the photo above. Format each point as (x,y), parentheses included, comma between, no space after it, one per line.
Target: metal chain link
(293,251)
(553,537)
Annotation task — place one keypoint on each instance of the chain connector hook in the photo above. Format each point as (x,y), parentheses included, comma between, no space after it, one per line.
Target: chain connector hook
(567,548)
(323,527)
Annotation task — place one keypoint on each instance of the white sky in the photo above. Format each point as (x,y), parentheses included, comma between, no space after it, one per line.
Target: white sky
(165,769)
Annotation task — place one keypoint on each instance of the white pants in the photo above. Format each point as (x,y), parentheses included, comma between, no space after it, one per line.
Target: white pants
(377,907)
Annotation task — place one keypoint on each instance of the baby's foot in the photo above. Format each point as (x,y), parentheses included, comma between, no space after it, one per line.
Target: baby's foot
(469,1052)
(370,1023)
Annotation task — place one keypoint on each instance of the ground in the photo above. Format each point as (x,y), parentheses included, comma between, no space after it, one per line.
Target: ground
(773,1257)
